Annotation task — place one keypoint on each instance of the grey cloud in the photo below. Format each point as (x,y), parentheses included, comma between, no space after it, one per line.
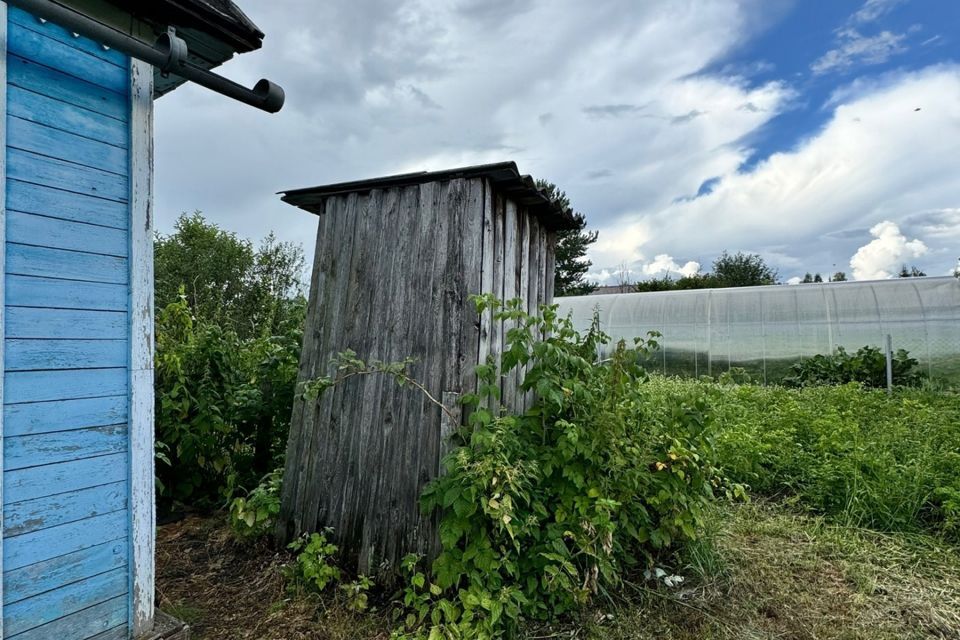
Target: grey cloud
(598,111)
(941,223)
(687,117)
(493,13)
(423,99)
(597,174)
(846,234)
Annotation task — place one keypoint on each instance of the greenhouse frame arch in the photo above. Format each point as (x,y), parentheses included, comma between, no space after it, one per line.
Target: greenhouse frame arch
(766,329)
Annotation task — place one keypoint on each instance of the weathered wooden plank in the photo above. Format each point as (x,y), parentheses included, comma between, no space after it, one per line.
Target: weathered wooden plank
(441,208)
(510,244)
(142,523)
(41,139)
(534,277)
(487,257)
(23,19)
(63,539)
(82,624)
(36,482)
(39,577)
(496,288)
(117,633)
(41,231)
(449,423)
(409,263)
(26,166)
(523,291)
(27,355)
(469,277)
(44,262)
(348,455)
(542,268)
(290,523)
(551,244)
(29,322)
(62,415)
(65,205)
(52,605)
(325,434)
(66,88)
(49,511)
(383,394)
(448,344)
(382,238)
(21,452)
(59,55)
(3,217)
(40,386)
(54,293)
(44,110)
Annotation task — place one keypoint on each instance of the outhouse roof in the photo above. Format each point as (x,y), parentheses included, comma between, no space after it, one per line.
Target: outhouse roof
(504,176)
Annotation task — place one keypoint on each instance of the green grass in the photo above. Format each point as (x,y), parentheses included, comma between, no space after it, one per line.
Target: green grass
(859,456)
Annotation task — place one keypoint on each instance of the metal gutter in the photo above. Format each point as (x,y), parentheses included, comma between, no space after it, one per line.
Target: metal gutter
(169,54)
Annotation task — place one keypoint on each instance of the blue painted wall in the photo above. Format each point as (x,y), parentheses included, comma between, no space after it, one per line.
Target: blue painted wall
(66,352)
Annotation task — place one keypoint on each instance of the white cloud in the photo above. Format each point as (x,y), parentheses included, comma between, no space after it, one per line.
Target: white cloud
(664,264)
(876,158)
(873,9)
(881,257)
(384,86)
(854,48)
(795,280)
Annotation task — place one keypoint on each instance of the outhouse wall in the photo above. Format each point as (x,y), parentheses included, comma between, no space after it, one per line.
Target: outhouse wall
(77,344)
(393,272)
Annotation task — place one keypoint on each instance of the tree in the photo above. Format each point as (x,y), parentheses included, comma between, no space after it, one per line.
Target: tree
(228,351)
(742,270)
(663,283)
(912,272)
(839,276)
(224,279)
(571,263)
(807,278)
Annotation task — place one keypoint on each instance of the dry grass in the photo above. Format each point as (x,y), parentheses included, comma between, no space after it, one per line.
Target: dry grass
(764,574)
(780,575)
(226,590)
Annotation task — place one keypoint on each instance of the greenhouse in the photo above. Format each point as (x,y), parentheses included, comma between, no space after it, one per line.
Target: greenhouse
(766,329)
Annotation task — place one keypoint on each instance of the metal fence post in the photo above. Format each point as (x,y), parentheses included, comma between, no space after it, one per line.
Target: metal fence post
(889,364)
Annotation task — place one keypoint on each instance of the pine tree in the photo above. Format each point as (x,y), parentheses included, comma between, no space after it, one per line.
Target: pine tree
(571,263)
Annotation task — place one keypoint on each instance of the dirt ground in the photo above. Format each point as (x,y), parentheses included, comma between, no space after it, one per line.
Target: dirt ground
(228,590)
(762,573)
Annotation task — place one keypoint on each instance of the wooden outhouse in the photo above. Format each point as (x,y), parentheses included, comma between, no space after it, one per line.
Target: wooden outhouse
(78,84)
(396,261)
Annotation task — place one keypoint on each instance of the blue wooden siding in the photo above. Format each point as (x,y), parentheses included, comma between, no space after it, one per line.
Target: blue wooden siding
(66,372)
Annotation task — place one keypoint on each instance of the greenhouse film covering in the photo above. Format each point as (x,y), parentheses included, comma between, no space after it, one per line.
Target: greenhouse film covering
(766,329)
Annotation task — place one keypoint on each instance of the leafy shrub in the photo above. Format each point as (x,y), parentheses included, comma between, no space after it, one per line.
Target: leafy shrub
(255,515)
(357,593)
(223,404)
(856,454)
(867,366)
(314,566)
(541,511)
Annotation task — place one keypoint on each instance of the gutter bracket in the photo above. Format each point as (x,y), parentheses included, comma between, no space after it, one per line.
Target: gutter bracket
(175,49)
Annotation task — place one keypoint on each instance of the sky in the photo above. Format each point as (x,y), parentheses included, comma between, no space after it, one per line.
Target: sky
(822,134)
